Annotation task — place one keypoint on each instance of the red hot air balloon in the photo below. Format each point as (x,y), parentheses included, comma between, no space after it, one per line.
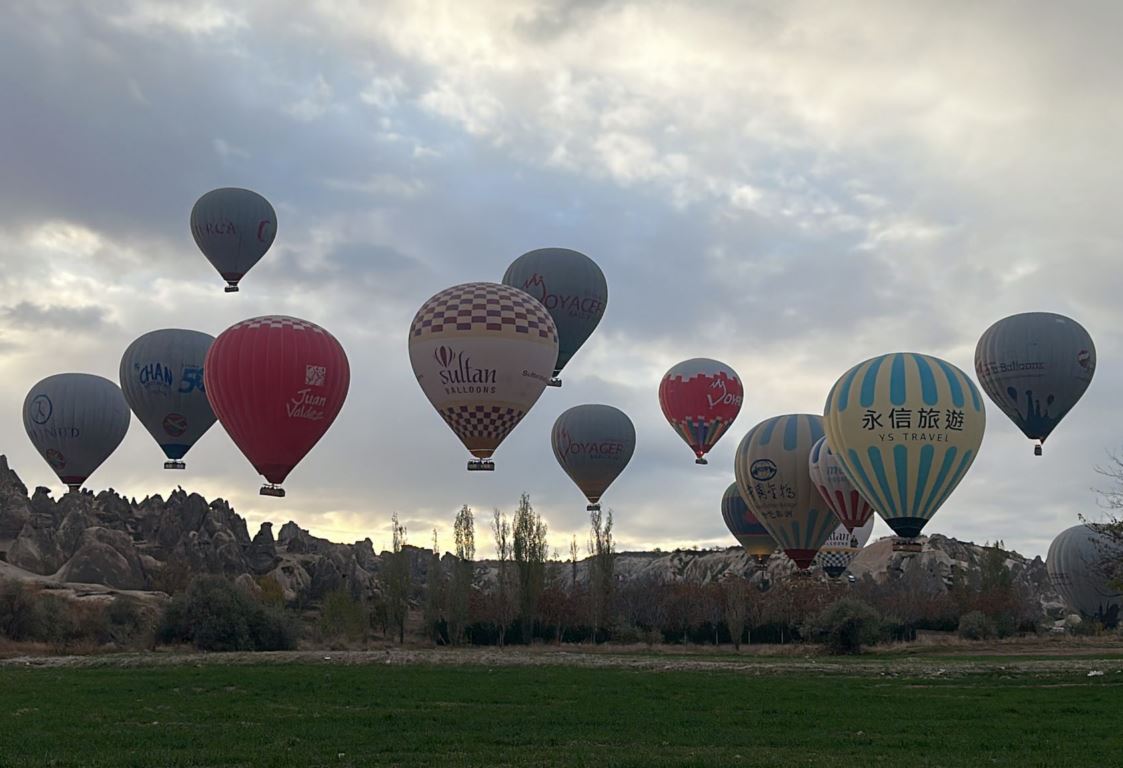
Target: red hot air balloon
(701,398)
(276,384)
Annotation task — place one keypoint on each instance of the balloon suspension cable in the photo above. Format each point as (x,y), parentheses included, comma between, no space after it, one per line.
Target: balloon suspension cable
(230,288)
(269,489)
(481,465)
(174,465)
(1037,450)
(700,460)
(902,544)
(554,382)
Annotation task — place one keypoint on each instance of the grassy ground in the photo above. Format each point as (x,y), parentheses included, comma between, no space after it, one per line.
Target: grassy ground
(330,714)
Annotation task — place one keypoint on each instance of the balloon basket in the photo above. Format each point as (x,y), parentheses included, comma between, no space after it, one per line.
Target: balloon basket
(1037,450)
(593,508)
(174,465)
(700,460)
(554,382)
(230,289)
(481,465)
(901,544)
(272,490)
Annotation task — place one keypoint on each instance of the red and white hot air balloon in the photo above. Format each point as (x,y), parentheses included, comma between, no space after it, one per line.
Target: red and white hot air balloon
(701,398)
(836,489)
(276,384)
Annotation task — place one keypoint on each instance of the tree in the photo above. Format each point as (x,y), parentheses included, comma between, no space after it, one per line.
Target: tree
(1111,500)
(504,602)
(529,549)
(434,592)
(602,577)
(460,589)
(397,580)
(735,594)
(573,560)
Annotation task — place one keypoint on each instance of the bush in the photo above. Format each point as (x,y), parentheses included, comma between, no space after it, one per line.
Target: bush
(976,625)
(214,615)
(19,619)
(846,626)
(343,616)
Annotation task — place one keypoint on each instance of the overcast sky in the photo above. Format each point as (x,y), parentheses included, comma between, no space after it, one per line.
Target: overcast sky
(788,187)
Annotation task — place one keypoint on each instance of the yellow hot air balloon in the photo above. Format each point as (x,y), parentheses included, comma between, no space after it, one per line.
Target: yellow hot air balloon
(905,428)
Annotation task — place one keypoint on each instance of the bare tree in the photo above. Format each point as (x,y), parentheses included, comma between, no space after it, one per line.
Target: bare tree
(1111,501)
(602,577)
(573,560)
(460,590)
(529,549)
(397,580)
(434,592)
(504,602)
(735,592)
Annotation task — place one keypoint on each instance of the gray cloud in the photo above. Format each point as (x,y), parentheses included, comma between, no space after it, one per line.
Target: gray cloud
(27,315)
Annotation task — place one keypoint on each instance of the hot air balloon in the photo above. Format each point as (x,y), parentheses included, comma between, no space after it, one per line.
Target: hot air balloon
(75,421)
(1035,367)
(1078,564)
(771,468)
(841,547)
(835,487)
(572,288)
(162,379)
(276,384)
(233,228)
(905,427)
(700,398)
(593,444)
(745,527)
(482,353)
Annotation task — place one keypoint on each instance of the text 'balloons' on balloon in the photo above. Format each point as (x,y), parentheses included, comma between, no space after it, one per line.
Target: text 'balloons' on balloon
(1078,564)
(162,379)
(75,421)
(1035,367)
(276,384)
(700,399)
(745,526)
(772,474)
(482,353)
(842,546)
(570,286)
(233,228)
(835,487)
(905,427)
(593,443)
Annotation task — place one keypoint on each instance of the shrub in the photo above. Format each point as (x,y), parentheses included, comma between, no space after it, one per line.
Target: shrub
(343,616)
(846,626)
(214,615)
(19,619)
(976,625)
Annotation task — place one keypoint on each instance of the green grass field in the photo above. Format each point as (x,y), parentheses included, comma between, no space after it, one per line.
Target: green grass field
(378,714)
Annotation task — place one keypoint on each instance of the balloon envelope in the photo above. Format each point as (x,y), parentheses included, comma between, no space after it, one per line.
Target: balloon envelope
(276,383)
(162,380)
(700,399)
(233,228)
(1035,367)
(906,428)
(482,353)
(744,526)
(835,487)
(570,286)
(593,444)
(1076,567)
(771,469)
(841,547)
(75,421)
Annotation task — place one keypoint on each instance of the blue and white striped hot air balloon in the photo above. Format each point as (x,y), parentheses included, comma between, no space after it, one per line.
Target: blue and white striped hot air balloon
(771,469)
(906,428)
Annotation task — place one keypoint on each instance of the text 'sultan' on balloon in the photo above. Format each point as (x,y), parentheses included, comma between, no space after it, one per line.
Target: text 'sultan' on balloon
(771,469)
(233,228)
(482,354)
(75,421)
(1035,367)
(906,428)
(745,526)
(701,399)
(835,487)
(162,379)
(570,286)
(276,384)
(1078,564)
(593,443)
(841,548)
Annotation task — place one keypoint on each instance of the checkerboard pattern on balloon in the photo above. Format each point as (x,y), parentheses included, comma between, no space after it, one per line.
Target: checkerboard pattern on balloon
(279,321)
(469,309)
(482,426)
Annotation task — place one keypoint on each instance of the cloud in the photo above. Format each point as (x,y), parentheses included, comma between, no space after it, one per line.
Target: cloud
(27,315)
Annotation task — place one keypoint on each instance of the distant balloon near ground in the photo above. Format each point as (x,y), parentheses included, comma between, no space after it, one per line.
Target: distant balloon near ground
(1035,367)
(276,384)
(905,427)
(842,546)
(593,444)
(745,526)
(701,399)
(233,228)
(1078,563)
(162,380)
(75,421)
(571,287)
(482,353)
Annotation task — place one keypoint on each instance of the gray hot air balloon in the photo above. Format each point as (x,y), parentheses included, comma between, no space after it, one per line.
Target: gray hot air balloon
(1035,366)
(233,228)
(162,378)
(572,288)
(1076,567)
(75,421)
(593,444)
